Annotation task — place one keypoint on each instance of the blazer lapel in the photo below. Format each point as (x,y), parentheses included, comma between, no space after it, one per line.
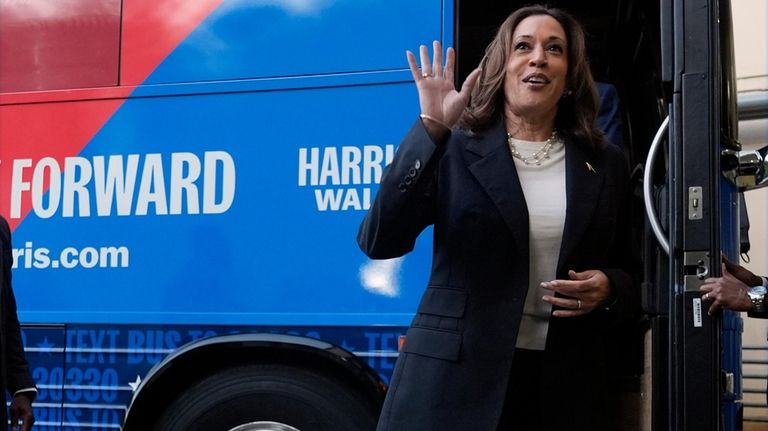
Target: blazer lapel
(583,183)
(495,170)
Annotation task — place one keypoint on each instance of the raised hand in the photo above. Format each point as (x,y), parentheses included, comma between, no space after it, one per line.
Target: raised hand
(438,98)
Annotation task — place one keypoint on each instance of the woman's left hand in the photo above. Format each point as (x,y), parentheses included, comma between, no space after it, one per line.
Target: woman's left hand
(584,292)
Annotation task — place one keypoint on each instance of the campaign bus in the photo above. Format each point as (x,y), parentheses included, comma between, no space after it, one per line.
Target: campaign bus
(184,181)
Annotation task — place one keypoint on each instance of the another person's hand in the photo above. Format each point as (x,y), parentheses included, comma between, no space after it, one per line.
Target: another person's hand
(21,409)
(439,101)
(727,291)
(585,291)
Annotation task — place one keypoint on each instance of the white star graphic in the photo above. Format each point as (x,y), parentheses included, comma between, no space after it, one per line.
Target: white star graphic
(135,385)
(46,346)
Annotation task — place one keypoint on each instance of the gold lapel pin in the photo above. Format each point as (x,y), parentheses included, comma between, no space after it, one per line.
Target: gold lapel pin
(589,167)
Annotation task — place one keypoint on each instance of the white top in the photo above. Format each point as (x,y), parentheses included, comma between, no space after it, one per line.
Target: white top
(545,196)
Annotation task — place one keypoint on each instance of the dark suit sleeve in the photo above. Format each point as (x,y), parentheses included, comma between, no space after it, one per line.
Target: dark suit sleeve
(16,366)
(624,303)
(404,205)
(609,115)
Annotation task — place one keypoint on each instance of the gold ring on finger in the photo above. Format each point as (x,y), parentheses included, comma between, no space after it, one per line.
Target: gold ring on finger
(425,75)
(578,304)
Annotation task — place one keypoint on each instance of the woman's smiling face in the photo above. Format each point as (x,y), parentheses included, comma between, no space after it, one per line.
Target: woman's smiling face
(537,67)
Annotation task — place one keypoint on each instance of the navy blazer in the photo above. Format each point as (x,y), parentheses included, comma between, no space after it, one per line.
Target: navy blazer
(454,367)
(14,369)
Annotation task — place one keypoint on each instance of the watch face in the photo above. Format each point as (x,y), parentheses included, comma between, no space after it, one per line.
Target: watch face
(757,292)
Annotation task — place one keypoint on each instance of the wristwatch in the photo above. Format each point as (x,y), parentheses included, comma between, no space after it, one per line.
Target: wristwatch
(757,296)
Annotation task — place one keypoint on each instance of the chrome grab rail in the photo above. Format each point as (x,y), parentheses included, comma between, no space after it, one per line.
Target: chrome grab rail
(647,186)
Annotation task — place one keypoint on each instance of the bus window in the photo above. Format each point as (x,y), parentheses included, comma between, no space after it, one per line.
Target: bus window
(246,39)
(53,44)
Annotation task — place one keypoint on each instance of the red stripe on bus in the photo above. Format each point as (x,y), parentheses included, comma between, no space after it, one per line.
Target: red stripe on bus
(35,131)
(35,128)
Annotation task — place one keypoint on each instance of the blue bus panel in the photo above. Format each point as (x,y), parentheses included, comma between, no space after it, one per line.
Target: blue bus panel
(87,374)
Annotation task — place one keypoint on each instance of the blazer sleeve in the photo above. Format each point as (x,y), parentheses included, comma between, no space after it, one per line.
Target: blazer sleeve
(756,315)
(16,366)
(405,203)
(624,303)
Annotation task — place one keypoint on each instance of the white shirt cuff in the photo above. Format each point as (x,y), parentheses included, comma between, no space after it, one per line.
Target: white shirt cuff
(26,390)
(765,281)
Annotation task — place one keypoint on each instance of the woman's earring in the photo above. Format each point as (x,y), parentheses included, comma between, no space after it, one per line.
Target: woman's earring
(566,94)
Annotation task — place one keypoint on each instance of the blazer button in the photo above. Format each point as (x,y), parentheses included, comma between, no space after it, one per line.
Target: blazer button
(408,181)
(417,164)
(402,187)
(412,172)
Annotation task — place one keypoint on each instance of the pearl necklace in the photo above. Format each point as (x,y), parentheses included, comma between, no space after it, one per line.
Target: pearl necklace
(537,157)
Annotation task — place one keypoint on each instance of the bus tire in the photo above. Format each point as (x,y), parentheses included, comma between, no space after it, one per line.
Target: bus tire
(270,394)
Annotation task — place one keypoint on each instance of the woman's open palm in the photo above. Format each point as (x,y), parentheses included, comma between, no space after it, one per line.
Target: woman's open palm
(438,97)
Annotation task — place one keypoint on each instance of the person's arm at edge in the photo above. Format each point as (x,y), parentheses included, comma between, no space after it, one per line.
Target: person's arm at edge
(19,381)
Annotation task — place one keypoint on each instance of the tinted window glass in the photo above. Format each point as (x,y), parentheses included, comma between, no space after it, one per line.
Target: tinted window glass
(56,44)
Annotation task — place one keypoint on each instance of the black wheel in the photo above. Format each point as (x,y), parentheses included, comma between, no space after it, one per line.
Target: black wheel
(269,397)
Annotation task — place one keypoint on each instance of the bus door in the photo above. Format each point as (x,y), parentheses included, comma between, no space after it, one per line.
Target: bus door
(696,378)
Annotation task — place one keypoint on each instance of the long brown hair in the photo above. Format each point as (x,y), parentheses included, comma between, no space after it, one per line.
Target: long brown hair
(576,112)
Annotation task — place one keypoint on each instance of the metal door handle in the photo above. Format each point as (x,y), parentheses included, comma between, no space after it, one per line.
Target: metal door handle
(747,170)
(647,186)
